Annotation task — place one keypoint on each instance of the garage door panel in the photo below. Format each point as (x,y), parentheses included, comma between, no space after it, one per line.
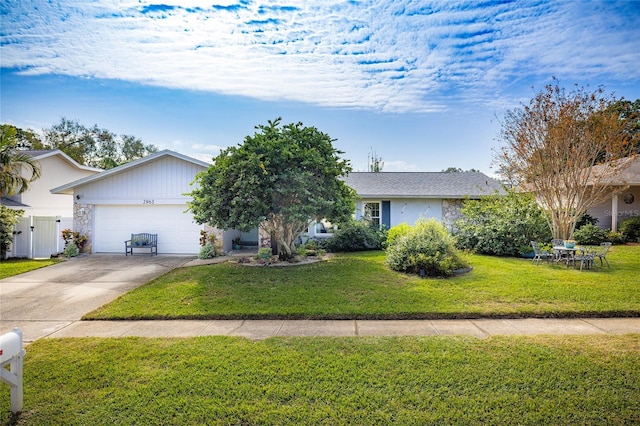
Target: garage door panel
(114,224)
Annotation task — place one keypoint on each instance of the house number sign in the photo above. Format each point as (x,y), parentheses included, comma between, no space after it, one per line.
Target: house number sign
(148,202)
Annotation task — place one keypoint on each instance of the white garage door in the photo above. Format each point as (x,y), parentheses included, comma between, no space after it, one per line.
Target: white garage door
(176,231)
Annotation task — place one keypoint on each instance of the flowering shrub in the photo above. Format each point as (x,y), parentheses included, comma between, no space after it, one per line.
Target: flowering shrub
(206,238)
(426,248)
(78,239)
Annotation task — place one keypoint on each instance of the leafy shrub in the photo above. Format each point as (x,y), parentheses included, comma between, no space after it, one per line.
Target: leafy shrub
(501,225)
(591,234)
(8,218)
(207,251)
(427,246)
(264,253)
(397,231)
(355,235)
(585,219)
(630,229)
(616,237)
(78,239)
(311,248)
(301,250)
(71,249)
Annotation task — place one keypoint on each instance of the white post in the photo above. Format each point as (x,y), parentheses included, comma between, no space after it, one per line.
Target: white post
(12,353)
(614,213)
(31,227)
(58,234)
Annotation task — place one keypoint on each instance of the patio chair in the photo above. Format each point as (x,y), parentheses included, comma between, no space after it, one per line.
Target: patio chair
(601,253)
(586,258)
(540,254)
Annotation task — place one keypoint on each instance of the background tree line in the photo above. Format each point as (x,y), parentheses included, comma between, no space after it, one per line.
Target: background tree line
(90,146)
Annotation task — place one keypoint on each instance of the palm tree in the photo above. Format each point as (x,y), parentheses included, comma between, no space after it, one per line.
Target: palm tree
(14,164)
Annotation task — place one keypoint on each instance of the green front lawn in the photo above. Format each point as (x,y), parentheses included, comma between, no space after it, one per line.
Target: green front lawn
(9,268)
(360,286)
(586,380)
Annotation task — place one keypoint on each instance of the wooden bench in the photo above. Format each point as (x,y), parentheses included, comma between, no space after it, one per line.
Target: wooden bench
(149,241)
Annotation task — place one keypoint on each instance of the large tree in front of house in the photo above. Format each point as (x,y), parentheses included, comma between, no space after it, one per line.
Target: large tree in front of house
(566,146)
(281,178)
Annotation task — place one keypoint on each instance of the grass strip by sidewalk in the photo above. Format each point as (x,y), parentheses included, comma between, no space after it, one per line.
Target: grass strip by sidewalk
(9,268)
(587,380)
(360,286)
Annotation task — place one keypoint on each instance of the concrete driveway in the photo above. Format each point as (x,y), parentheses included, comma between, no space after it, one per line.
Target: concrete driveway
(43,301)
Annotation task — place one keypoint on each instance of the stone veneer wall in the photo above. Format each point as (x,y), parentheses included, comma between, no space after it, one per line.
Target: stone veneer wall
(219,234)
(451,212)
(82,223)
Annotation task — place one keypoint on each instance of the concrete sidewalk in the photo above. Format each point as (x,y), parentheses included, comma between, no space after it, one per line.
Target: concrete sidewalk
(262,329)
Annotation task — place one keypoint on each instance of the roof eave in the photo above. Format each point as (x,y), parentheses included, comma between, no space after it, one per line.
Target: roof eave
(430,197)
(68,159)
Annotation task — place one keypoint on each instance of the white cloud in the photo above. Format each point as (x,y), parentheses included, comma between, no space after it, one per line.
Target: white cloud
(400,166)
(202,157)
(388,56)
(207,148)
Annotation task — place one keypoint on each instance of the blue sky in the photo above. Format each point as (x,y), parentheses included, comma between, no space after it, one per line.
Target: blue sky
(422,84)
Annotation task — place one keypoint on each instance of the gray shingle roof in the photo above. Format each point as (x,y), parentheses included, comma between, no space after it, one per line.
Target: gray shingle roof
(8,202)
(37,152)
(422,184)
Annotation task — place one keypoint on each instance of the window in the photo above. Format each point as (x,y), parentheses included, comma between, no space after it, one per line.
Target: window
(372,213)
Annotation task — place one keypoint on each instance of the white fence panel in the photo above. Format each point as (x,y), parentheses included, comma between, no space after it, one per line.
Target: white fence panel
(21,234)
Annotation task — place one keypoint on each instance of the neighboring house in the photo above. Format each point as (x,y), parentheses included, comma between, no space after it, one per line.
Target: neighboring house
(621,205)
(37,234)
(391,198)
(146,195)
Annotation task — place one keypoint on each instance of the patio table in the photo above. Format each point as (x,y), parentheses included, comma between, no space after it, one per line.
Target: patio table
(562,252)
(569,255)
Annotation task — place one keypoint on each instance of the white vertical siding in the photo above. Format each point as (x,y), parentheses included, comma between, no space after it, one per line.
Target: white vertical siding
(166,178)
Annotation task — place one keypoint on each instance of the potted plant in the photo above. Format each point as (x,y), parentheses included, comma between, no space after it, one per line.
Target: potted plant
(526,251)
(570,244)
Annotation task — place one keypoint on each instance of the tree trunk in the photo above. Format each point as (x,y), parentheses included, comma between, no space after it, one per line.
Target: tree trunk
(285,233)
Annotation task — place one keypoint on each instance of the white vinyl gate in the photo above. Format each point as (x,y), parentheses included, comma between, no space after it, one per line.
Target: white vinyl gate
(39,236)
